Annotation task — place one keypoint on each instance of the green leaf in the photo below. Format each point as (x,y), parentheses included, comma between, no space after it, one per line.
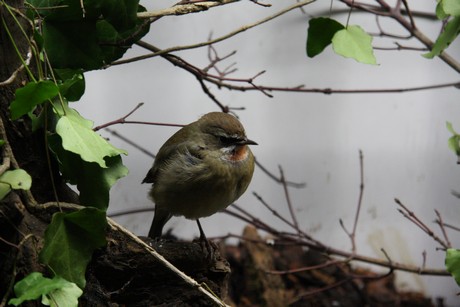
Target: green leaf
(68,10)
(18,179)
(72,83)
(70,240)
(14,179)
(86,34)
(353,42)
(78,137)
(453,143)
(72,44)
(35,285)
(320,33)
(92,181)
(444,39)
(450,128)
(440,14)
(453,263)
(122,14)
(66,296)
(454,140)
(31,95)
(451,7)
(95,186)
(107,33)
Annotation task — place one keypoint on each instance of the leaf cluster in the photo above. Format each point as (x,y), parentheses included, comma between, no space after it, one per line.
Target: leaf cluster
(348,41)
(449,11)
(69,38)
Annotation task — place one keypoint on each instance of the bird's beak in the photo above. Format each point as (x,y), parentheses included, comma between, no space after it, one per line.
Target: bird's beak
(247,142)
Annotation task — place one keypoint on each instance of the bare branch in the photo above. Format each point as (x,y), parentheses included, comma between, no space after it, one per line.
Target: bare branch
(157,51)
(416,221)
(440,222)
(185,8)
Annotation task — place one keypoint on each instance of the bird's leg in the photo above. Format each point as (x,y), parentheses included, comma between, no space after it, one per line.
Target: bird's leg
(202,235)
(204,242)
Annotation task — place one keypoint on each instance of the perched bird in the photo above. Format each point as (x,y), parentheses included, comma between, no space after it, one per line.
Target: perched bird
(200,170)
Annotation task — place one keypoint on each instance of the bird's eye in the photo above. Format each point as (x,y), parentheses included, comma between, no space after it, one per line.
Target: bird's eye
(227,140)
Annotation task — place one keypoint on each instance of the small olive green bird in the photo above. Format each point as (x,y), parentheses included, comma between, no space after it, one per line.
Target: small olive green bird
(200,170)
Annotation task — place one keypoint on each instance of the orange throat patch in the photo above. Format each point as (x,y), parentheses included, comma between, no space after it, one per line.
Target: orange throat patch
(239,153)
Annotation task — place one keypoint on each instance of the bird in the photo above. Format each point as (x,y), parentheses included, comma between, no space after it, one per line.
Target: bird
(200,170)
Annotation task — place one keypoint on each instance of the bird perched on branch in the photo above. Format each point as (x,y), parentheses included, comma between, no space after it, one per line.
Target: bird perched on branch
(200,170)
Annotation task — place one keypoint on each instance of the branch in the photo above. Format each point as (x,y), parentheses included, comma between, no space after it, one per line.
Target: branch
(185,8)
(416,221)
(122,120)
(278,180)
(157,51)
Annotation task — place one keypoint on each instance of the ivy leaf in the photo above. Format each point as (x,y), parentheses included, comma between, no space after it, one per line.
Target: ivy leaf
(67,10)
(72,85)
(95,186)
(320,33)
(454,140)
(31,95)
(453,263)
(440,14)
(72,44)
(92,181)
(451,7)
(353,42)
(85,34)
(35,285)
(78,137)
(14,179)
(122,14)
(66,296)
(70,240)
(444,39)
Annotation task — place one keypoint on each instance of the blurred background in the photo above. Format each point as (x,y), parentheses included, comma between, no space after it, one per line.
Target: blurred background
(314,137)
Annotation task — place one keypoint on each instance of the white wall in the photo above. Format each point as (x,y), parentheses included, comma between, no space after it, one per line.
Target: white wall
(315,137)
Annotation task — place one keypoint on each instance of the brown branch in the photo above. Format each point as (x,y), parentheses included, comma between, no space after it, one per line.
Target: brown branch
(352,234)
(288,200)
(290,238)
(440,222)
(122,120)
(410,215)
(451,226)
(276,179)
(185,8)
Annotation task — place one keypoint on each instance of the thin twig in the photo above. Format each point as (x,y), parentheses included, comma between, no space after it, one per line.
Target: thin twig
(288,201)
(352,234)
(184,8)
(456,228)
(128,141)
(329,250)
(440,222)
(305,269)
(276,179)
(219,39)
(121,120)
(360,198)
(283,219)
(416,221)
